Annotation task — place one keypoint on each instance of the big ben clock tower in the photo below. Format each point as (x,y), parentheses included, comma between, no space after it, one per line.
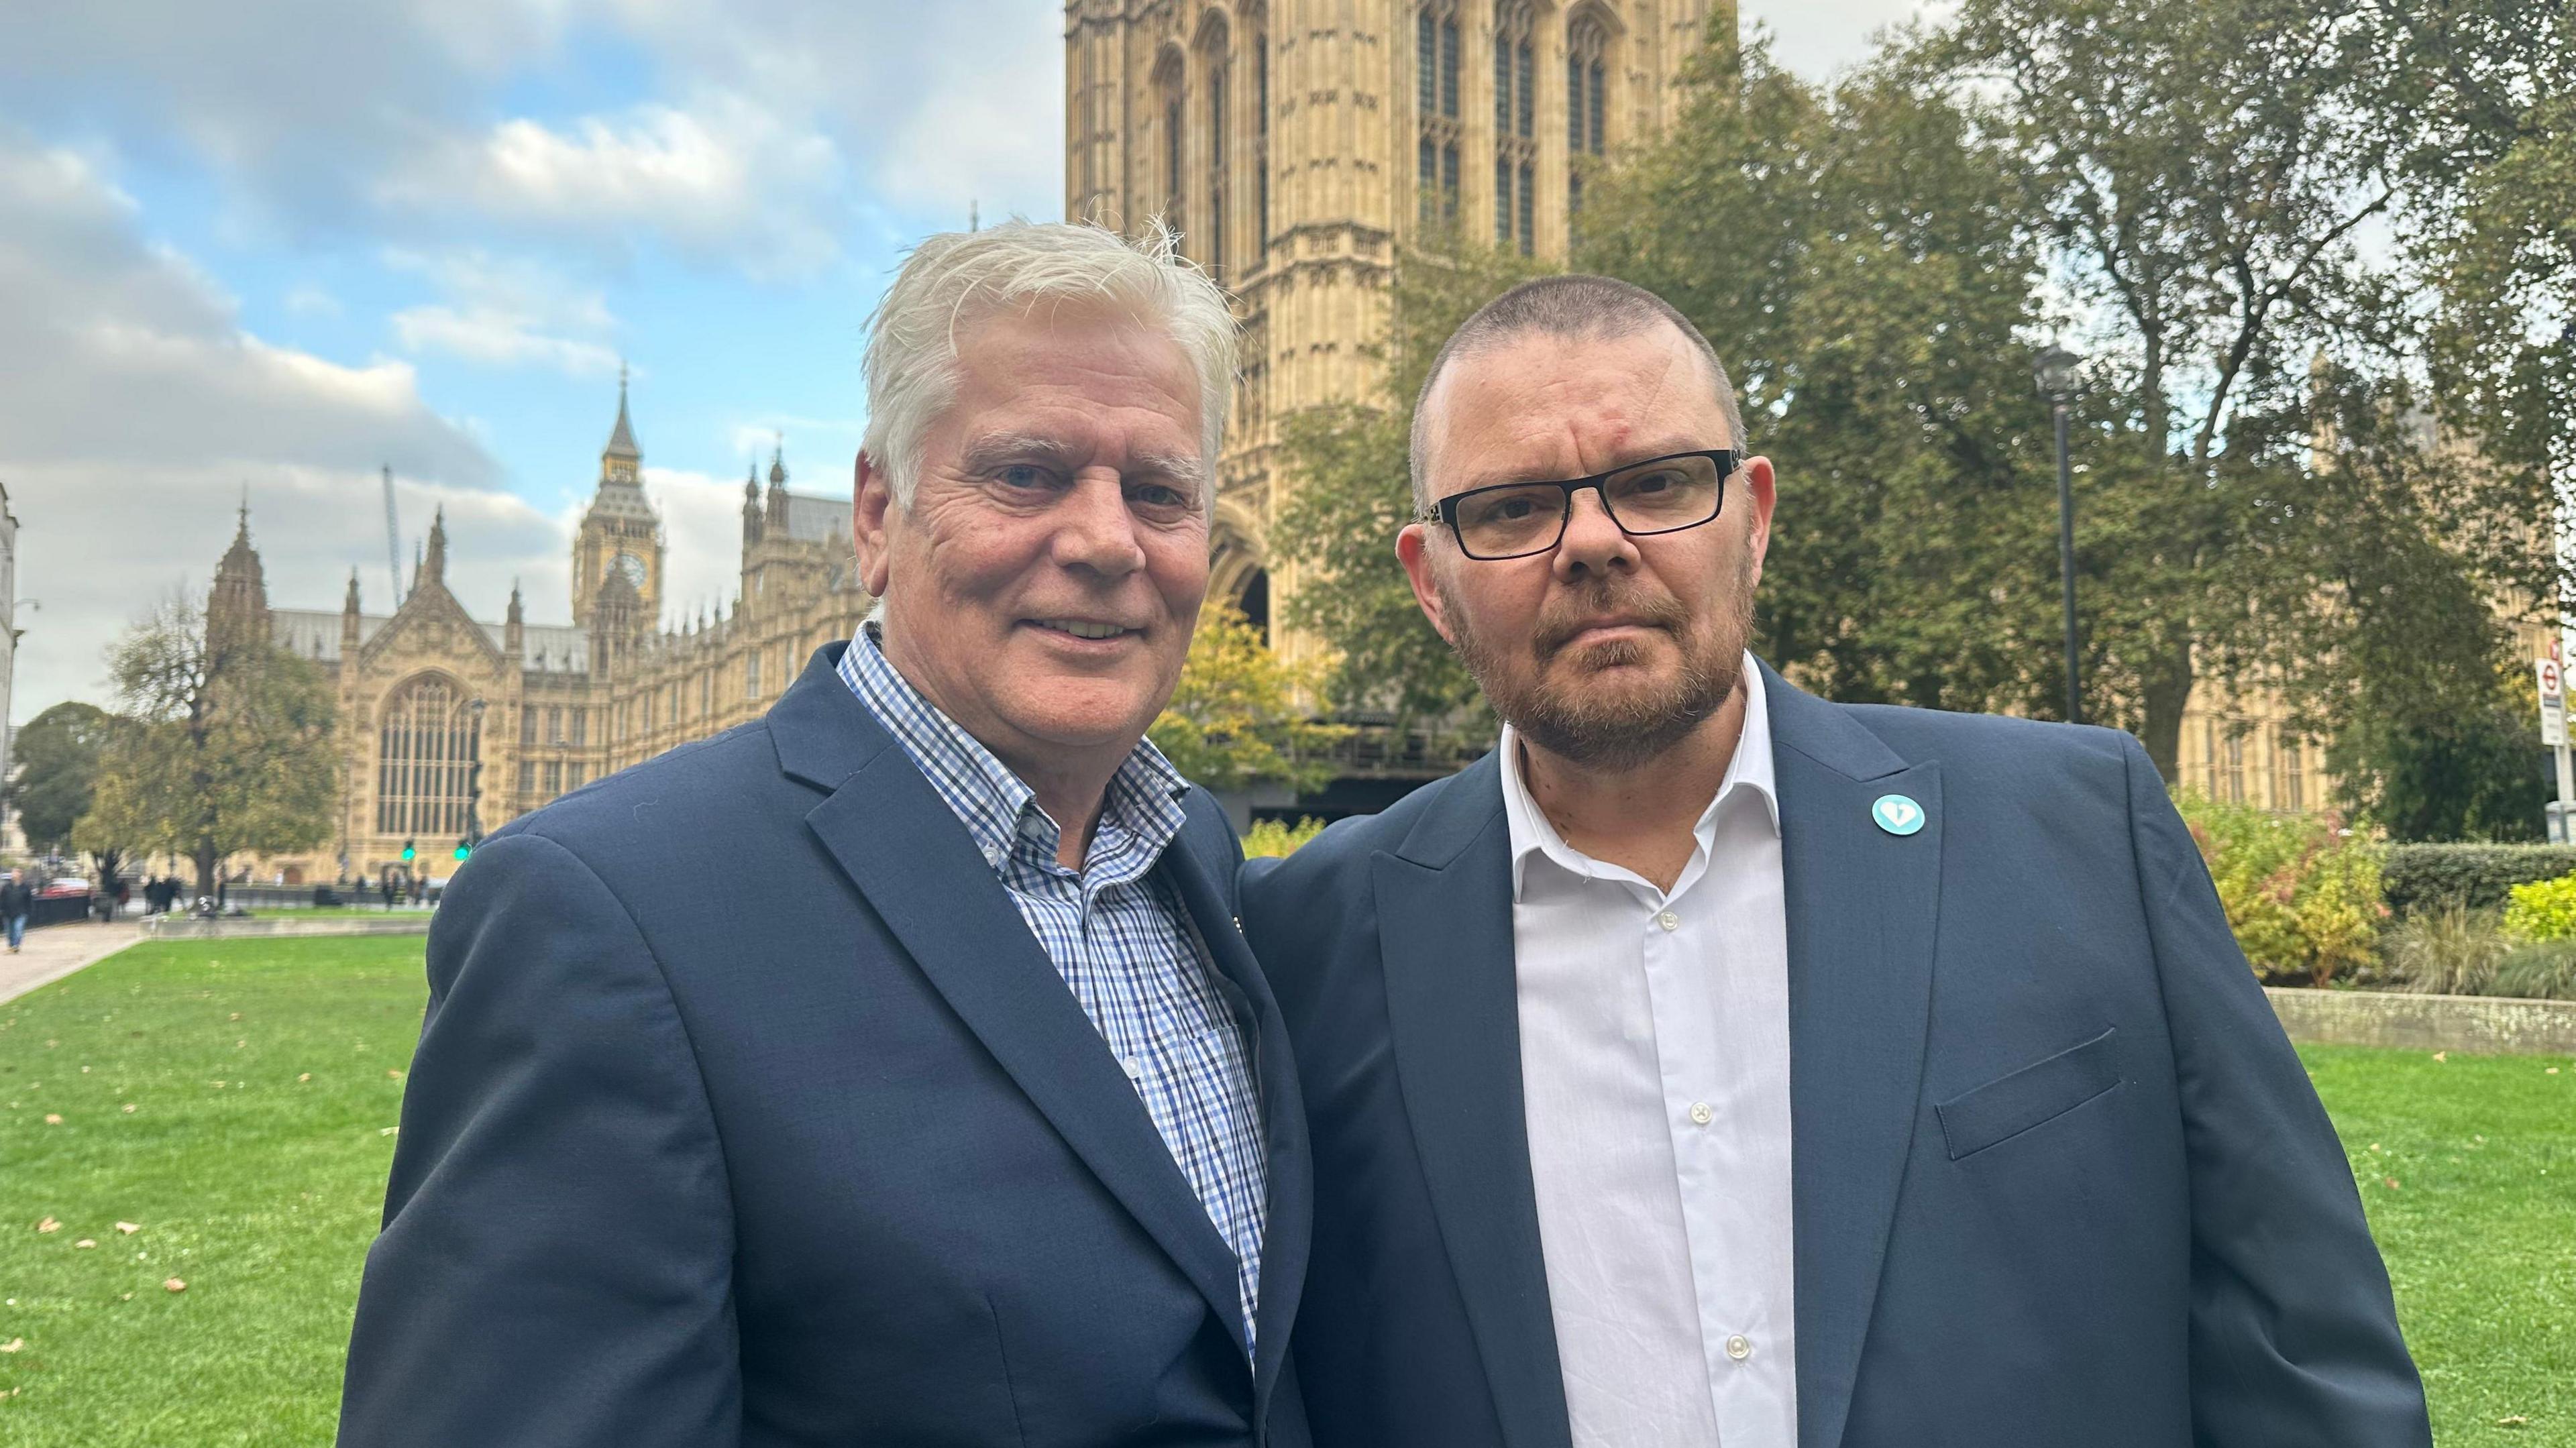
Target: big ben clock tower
(620,534)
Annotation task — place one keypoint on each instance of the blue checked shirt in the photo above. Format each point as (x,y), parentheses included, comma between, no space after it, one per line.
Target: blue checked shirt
(1121,939)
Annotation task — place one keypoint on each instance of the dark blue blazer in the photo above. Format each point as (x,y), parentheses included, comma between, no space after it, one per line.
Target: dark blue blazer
(2058,1177)
(749,1112)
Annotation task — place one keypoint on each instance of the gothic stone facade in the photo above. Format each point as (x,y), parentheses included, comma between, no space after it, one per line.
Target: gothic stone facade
(1294,144)
(561,704)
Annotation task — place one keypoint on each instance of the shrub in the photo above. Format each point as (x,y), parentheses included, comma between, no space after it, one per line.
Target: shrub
(2424,877)
(2542,970)
(2446,951)
(2301,892)
(1270,837)
(2542,910)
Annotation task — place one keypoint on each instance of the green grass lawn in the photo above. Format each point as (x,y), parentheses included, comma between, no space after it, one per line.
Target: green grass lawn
(253,1161)
(2468,1169)
(261,1193)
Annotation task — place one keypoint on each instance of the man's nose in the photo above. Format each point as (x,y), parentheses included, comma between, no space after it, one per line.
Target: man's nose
(1094,528)
(1593,540)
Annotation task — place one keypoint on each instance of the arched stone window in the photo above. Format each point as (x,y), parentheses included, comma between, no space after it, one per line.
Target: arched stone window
(1587,100)
(1256,19)
(1168,89)
(1515,128)
(425,756)
(1436,62)
(1216,68)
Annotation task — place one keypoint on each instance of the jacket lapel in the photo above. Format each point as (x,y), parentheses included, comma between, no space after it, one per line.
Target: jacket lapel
(1288,1226)
(1444,912)
(914,862)
(1862,908)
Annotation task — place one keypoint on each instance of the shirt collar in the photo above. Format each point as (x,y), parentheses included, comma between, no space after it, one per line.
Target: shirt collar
(1751,770)
(995,804)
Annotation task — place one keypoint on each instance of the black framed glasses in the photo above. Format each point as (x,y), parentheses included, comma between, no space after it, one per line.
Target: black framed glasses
(1659,495)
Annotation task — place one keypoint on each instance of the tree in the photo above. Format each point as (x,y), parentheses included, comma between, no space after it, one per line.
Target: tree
(57,762)
(227,745)
(1862,262)
(1233,720)
(1347,486)
(2203,171)
(2494,155)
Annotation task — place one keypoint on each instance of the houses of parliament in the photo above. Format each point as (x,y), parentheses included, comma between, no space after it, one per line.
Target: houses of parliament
(1295,146)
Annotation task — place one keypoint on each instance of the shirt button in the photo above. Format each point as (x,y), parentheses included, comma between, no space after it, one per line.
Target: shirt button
(1739,1347)
(1134,1066)
(1701,1115)
(1669,920)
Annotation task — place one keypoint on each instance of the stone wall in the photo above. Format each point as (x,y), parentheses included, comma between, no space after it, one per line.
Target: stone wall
(2485,1024)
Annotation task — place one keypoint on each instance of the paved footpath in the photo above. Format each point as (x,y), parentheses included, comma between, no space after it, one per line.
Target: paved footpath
(58,950)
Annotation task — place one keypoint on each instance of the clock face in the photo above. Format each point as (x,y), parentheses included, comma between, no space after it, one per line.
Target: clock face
(631,566)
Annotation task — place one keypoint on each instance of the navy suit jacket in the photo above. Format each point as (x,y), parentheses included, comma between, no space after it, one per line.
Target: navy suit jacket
(2058,1178)
(749,1112)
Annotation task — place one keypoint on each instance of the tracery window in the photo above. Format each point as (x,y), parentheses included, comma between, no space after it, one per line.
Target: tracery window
(1587,105)
(1218,69)
(751,675)
(1258,19)
(1168,86)
(425,756)
(1436,46)
(1515,128)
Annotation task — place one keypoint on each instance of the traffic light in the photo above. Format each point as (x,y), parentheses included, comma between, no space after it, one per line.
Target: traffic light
(463,848)
(409,854)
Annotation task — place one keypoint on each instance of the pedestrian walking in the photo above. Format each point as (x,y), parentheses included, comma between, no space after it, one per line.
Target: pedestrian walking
(15,901)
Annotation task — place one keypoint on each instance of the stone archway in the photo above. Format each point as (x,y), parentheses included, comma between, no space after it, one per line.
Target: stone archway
(1238,570)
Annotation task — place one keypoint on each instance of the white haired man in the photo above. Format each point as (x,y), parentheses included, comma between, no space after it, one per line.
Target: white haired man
(978,1125)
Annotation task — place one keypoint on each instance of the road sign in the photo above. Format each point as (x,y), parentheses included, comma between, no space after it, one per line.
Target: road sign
(2553,703)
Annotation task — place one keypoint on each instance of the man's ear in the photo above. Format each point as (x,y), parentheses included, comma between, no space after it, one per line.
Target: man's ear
(1413,547)
(872,509)
(1761,493)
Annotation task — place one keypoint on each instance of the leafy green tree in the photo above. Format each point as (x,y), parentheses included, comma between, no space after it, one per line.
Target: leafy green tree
(1233,720)
(2494,164)
(2203,169)
(57,765)
(1863,263)
(227,746)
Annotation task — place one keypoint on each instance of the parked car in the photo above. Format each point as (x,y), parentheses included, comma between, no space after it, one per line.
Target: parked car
(67,885)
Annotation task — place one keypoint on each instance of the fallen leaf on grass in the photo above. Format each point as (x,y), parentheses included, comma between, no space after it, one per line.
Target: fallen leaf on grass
(2391,1181)
(15,1344)
(53,1119)
(49,1225)
(307,1076)
(236,1015)
(397,1075)
(2441,1055)
(2515,1421)
(129,1108)
(2552,1071)
(129,1228)
(85,1242)
(174,1285)
(387,1130)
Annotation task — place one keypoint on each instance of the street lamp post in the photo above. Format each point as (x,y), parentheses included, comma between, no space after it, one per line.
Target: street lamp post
(474,785)
(2055,369)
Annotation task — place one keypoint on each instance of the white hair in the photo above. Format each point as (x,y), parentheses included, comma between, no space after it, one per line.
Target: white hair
(958,278)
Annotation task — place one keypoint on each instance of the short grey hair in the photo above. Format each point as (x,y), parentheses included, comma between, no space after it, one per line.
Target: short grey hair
(958,278)
(1574,308)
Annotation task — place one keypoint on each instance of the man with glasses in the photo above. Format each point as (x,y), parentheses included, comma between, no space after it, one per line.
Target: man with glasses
(1712,1064)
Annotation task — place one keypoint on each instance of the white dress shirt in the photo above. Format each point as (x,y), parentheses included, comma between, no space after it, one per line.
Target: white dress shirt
(1655,1067)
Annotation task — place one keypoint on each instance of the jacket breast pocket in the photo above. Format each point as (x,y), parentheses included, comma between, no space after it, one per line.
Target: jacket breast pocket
(2036,1094)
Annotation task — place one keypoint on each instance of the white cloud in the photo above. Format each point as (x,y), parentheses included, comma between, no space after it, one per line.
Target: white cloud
(134,409)
(507,312)
(702,530)
(728,178)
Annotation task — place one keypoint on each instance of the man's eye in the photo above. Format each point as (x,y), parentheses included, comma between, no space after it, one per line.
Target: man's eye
(1023,475)
(1158,498)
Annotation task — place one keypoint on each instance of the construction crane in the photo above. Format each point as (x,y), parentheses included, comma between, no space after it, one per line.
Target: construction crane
(393,537)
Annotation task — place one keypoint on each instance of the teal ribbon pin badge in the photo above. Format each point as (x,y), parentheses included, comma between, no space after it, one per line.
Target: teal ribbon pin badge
(1897,814)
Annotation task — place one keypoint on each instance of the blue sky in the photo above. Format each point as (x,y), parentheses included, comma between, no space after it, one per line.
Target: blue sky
(279,243)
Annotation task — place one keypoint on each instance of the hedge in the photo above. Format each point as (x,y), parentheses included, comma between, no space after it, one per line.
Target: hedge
(2418,877)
